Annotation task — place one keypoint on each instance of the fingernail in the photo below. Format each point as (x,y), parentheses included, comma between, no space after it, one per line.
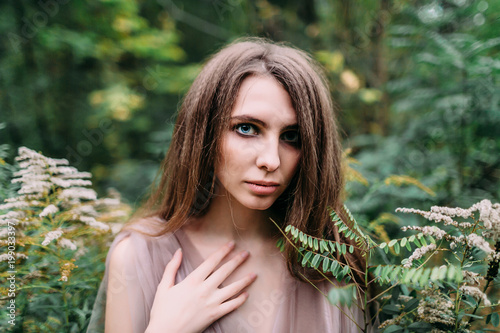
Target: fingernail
(244,254)
(230,244)
(253,276)
(179,250)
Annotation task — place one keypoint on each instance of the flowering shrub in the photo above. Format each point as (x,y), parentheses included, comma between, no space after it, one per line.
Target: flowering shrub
(444,283)
(54,235)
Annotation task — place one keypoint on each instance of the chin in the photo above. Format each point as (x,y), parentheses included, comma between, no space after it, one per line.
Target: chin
(258,203)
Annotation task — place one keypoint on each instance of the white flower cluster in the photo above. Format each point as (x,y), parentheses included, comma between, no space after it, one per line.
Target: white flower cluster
(475,293)
(471,277)
(6,256)
(78,193)
(39,174)
(12,217)
(479,242)
(453,212)
(419,253)
(93,223)
(49,210)
(14,203)
(489,214)
(427,231)
(52,235)
(435,308)
(431,216)
(87,210)
(70,182)
(66,243)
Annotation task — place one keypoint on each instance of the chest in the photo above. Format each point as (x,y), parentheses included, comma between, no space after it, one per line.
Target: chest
(266,294)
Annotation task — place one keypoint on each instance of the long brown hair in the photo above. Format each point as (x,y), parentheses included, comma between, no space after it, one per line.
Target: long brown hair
(188,178)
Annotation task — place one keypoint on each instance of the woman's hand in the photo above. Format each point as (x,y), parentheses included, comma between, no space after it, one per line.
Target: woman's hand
(196,302)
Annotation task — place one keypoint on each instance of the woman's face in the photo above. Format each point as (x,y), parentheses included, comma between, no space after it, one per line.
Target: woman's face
(261,148)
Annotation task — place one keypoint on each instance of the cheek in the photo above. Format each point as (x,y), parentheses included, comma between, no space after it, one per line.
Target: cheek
(232,157)
(293,161)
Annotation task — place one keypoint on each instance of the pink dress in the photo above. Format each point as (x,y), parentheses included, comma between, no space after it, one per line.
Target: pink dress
(300,307)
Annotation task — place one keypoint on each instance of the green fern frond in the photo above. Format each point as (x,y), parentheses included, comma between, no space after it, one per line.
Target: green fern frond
(396,244)
(415,276)
(351,229)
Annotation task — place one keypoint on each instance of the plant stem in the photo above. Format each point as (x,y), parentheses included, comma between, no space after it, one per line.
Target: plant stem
(457,297)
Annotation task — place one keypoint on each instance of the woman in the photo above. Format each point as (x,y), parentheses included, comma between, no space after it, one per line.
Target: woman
(255,140)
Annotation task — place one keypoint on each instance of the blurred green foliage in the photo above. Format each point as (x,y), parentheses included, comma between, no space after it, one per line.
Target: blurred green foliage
(417,83)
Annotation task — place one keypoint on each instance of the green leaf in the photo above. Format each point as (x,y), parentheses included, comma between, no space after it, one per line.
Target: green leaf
(351,249)
(280,244)
(412,238)
(408,246)
(416,277)
(346,270)
(391,309)
(326,265)
(332,246)
(395,273)
(442,272)
(382,245)
(306,258)
(495,319)
(392,242)
(288,227)
(341,295)
(394,329)
(403,242)
(451,273)
(408,275)
(309,241)
(344,249)
(425,277)
(315,243)
(323,246)
(435,273)
(334,268)
(417,243)
(316,260)
(420,326)
(411,305)
(396,248)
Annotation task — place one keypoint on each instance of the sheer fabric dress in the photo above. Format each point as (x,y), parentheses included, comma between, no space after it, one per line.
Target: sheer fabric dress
(300,307)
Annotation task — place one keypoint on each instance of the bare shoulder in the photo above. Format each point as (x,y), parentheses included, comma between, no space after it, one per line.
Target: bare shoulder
(119,255)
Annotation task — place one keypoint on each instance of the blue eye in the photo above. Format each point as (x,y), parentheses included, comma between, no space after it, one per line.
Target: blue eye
(245,129)
(291,137)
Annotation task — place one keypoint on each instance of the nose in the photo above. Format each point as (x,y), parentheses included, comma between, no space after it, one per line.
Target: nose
(268,157)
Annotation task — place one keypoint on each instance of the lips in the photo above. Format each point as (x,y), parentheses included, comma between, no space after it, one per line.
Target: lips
(263,183)
(262,187)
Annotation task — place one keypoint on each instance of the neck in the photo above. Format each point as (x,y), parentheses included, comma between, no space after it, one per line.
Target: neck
(227,219)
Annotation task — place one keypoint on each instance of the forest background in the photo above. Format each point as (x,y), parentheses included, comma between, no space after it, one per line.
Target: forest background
(417,85)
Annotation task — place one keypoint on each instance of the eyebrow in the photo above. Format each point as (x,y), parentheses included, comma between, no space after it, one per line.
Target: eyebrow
(262,123)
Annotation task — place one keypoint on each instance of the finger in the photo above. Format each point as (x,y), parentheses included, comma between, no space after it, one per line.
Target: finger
(221,274)
(208,266)
(232,305)
(235,287)
(172,268)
